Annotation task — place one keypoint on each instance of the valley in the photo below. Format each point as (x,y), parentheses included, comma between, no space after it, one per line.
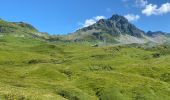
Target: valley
(116,62)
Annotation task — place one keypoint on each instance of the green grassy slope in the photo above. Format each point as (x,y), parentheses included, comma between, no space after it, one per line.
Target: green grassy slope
(34,70)
(20,29)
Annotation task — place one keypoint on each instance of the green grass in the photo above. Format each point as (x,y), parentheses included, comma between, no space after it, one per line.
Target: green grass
(35,70)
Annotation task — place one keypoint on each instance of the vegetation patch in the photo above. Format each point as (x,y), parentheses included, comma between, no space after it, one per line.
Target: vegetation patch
(99,67)
(15,97)
(156,55)
(165,77)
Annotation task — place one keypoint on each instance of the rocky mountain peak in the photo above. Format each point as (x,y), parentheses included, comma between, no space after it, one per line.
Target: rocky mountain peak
(118,18)
(115,26)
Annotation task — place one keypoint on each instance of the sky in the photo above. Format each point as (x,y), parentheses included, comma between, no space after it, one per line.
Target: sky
(66,16)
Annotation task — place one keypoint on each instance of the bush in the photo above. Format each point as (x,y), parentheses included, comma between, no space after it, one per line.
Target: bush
(68,95)
(165,77)
(34,61)
(156,55)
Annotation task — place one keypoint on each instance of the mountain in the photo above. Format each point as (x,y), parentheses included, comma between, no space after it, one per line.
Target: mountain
(115,26)
(152,34)
(20,29)
(116,29)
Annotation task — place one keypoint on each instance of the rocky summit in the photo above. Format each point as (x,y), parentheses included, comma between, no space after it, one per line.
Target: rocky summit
(116,29)
(115,26)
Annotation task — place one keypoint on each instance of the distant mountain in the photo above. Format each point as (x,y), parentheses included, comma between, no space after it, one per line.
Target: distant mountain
(150,33)
(116,29)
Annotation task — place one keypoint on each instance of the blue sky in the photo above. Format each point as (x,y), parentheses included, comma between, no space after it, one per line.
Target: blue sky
(65,16)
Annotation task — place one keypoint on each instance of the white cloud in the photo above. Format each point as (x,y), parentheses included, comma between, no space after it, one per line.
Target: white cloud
(97,18)
(148,8)
(92,21)
(165,8)
(132,17)
(141,3)
(89,22)
(151,9)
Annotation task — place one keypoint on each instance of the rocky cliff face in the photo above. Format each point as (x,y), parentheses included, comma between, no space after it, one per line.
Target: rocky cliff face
(115,26)
(108,29)
(116,29)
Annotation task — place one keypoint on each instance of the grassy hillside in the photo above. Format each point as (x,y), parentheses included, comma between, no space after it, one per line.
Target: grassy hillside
(20,29)
(35,70)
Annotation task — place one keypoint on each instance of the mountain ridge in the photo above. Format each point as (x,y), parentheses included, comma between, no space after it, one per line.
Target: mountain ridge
(117,29)
(20,29)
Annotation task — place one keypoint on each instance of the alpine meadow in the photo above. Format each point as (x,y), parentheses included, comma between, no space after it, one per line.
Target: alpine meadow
(109,59)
